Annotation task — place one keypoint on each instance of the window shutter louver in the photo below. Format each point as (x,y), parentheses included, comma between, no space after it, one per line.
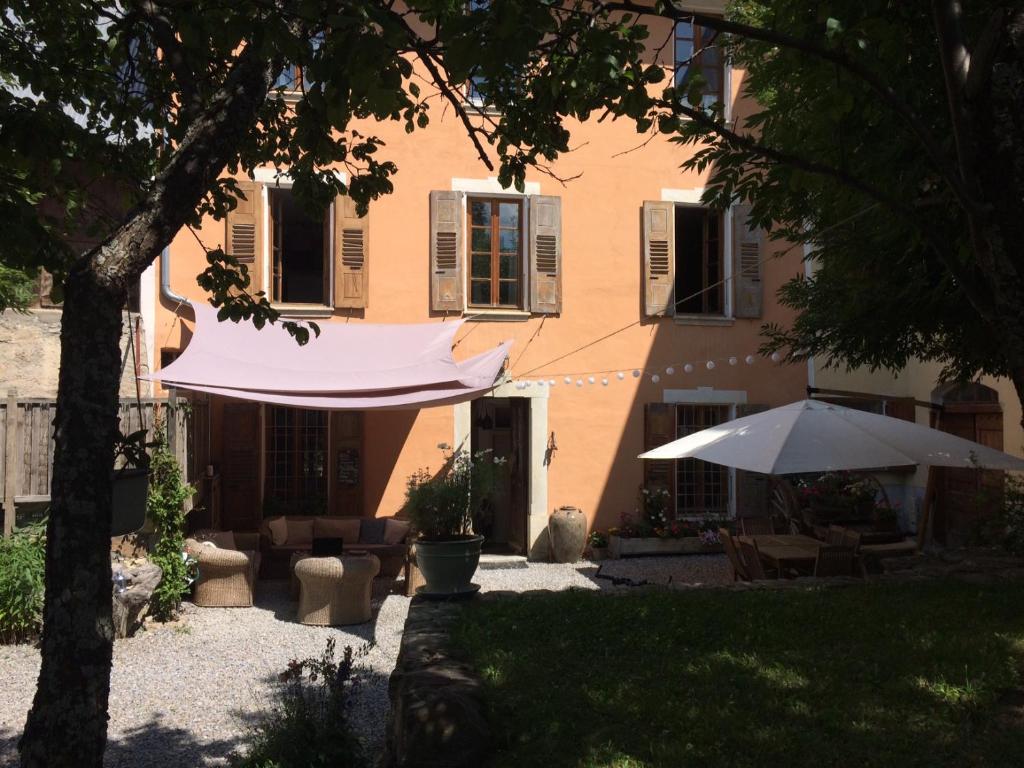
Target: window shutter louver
(659,429)
(751,487)
(351,255)
(747,267)
(545,254)
(659,258)
(446,251)
(244,236)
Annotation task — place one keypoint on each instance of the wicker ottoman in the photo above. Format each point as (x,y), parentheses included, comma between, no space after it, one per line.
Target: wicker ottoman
(335,590)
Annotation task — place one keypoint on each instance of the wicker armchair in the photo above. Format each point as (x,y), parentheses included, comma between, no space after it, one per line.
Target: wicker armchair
(227,577)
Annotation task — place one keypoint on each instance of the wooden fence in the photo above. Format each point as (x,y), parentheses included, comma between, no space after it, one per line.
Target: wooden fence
(26,442)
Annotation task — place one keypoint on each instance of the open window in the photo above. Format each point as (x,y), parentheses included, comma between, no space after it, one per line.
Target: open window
(300,252)
(693,261)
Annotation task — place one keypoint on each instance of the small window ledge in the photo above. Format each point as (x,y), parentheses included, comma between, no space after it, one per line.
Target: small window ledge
(715,320)
(497,315)
(304,310)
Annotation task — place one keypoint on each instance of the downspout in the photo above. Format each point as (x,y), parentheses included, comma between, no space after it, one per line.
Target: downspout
(165,279)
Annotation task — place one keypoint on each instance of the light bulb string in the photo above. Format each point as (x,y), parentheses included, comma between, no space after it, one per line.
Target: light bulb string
(661,369)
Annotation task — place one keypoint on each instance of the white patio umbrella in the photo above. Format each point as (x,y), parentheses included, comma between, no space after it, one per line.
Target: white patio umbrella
(812,436)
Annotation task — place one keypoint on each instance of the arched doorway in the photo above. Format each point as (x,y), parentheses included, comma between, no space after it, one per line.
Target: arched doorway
(972,411)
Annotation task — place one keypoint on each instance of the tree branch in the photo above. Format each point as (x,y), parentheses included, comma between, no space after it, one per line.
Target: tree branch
(194,166)
(931,147)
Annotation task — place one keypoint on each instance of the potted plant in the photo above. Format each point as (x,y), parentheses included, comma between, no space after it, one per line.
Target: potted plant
(598,543)
(131,484)
(441,507)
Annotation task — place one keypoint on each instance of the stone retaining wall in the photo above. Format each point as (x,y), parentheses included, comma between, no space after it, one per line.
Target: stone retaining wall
(437,703)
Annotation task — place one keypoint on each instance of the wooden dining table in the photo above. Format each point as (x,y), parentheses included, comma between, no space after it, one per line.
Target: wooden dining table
(786,551)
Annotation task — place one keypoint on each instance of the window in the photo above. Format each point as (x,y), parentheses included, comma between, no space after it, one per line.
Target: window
(299,251)
(702,488)
(292,78)
(697,51)
(296,460)
(495,251)
(698,261)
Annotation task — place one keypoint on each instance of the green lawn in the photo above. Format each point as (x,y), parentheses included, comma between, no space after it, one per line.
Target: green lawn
(879,675)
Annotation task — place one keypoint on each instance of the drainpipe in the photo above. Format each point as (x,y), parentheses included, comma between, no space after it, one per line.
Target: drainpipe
(165,279)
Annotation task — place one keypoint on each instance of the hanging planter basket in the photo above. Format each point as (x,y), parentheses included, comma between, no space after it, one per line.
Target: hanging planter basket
(128,502)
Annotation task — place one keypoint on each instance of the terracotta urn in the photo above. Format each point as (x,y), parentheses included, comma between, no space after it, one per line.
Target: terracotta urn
(567,531)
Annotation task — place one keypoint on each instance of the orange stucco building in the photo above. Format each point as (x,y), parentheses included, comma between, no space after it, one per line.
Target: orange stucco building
(583,277)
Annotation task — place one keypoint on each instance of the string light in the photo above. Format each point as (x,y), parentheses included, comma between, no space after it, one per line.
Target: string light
(620,375)
(733,361)
(688,368)
(749,359)
(670,370)
(579,382)
(568,380)
(710,365)
(655,379)
(776,357)
(552,383)
(604,382)
(636,374)
(590,380)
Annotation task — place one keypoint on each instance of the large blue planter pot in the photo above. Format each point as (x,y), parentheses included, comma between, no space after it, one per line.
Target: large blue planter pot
(448,566)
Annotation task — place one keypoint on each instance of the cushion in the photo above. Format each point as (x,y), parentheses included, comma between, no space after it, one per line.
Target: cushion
(221,539)
(348,530)
(395,531)
(371,530)
(278,531)
(300,532)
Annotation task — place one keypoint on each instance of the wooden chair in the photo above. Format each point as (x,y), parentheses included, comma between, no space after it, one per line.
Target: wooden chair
(851,539)
(739,570)
(755,566)
(833,561)
(836,536)
(756,526)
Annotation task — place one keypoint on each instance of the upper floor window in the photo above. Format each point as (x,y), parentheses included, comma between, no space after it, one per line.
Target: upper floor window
(698,259)
(294,77)
(495,246)
(696,50)
(300,252)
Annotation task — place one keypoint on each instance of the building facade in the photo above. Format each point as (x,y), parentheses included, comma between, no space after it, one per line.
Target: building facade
(620,270)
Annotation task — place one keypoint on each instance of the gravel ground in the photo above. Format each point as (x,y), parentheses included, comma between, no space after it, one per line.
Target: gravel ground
(184,694)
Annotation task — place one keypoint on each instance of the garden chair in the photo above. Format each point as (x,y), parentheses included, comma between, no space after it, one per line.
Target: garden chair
(833,561)
(755,566)
(836,536)
(851,539)
(756,526)
(739,570)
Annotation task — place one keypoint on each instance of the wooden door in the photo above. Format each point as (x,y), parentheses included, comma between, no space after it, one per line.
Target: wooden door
(240,475)
(962,492)
(519,473)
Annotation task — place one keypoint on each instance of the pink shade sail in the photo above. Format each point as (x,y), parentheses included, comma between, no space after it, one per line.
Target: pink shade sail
(348,367)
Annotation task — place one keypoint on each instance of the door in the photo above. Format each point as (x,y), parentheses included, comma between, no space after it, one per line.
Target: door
(240,485)
(965,494)
(501,426)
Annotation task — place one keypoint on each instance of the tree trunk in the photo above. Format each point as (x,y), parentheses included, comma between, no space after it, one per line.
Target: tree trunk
(67,725)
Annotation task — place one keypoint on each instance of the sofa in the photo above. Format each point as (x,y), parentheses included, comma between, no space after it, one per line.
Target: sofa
(227,564)
(282,536)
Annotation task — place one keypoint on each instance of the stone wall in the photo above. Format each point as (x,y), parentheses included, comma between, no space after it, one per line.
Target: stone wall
(437,704)
(30,354)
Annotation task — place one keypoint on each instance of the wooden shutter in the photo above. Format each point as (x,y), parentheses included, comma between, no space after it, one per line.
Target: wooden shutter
(545,254)
(751,487)
(660,428)
(446,251)
(351,254)
(244,236)
(747,268)
(659,258)
(241,466)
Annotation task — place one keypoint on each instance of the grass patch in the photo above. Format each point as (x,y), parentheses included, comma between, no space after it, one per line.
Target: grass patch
(879,675)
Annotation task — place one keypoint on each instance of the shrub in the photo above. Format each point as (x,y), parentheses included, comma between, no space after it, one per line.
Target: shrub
(307,725)
(165,507)
(441,506)
(1004,510)
(22,584)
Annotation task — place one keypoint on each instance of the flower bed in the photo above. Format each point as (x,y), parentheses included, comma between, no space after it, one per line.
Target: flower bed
(658,536)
